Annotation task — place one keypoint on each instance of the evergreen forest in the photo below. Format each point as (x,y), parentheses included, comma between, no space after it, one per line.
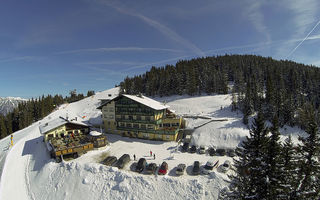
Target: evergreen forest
(257,84)
(33,110)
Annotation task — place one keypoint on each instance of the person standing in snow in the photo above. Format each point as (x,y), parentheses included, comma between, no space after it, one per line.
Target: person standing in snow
(150,153)
(154,156)
(134,156)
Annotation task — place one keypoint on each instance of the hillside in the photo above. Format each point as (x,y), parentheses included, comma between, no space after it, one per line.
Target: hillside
(259,83)
(7,104)
(39,177)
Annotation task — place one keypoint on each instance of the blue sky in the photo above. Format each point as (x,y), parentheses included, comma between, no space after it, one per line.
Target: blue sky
(52,47)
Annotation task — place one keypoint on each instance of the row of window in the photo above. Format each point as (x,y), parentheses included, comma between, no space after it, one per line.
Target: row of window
(136,117)
(134,110)
(108,109)
(169,125)
(136,126)
(108,116)
(147,135)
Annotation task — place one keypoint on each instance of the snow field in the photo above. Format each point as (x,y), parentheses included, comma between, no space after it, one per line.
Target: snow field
(29,173)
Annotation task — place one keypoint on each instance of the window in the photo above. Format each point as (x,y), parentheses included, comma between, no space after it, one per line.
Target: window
(130,117)
(129,125)
(145,135)
(147,118)
(166,125)
(123,117)
(111,110)
(109,123)
(143,126)
(138,117)
(168,137)
(50,136)
(121,124)
(150,127)
(118,116)
(135,125)
(111,117)
(160,136)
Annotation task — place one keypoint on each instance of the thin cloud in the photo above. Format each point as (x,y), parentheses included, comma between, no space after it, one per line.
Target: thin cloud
(304,15)
(19,58)
(256,17)
(160,27)
(303,40)
(156,63)
(114,49)
(109,63)
(303,11)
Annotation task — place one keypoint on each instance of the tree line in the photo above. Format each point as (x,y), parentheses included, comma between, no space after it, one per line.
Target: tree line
(33,110)
(256,83)
(269,169)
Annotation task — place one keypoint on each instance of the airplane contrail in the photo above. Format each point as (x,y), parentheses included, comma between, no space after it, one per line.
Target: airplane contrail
(303,40)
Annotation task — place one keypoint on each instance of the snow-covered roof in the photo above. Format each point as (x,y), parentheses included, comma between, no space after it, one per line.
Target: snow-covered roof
(147,101)
(95,133)
(56,123)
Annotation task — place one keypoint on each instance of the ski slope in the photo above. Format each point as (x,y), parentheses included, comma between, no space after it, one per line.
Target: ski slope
(28,173)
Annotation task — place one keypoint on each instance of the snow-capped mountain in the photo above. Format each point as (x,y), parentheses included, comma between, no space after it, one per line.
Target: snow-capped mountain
(7,104)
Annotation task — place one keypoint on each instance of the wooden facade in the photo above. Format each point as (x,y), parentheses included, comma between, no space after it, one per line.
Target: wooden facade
(129,117)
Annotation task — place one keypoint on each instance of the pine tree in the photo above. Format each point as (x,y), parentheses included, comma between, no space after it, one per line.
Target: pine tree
(3,129)
(289,170)
(250,181)
(309,161)
(273,160)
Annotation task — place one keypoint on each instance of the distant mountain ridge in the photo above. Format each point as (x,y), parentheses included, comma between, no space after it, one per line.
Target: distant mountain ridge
(7,104)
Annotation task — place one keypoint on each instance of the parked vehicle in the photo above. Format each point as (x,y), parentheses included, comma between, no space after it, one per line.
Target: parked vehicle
(225,166)
(185,146)
(110,160)
(180,169)
(151,168)
(196,168)
(202,150)
(141,165)
(231,152)
(193,149)
(212,151)
(212,163)
(221,152)
(123,160)
(163,168)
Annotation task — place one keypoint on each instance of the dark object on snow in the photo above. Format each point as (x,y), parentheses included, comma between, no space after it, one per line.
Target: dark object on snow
(221,152)
(196,168)
(211,151)
(180,169)
(185,146)
(231,152)
(193,149)
(212,163)
(151,168)
(163,168)
(110,160)
(124,159)
(202,150)
(141,165)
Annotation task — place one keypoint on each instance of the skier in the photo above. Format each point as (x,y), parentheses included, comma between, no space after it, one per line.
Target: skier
(134,156)
(150,153)
(154,156)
